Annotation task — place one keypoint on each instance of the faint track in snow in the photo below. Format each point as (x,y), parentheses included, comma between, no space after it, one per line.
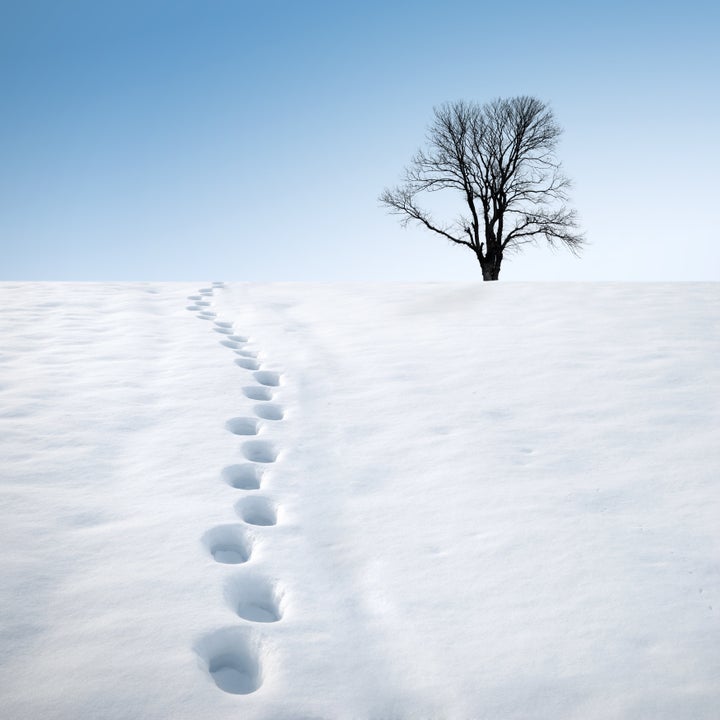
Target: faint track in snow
(233,655)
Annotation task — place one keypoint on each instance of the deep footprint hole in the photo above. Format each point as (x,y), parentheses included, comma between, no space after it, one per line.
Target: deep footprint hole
(257,511)
(228,544)
(243,426)
(258,393)
(247,363)
(269,411)
(267,377)
(260,451)
(230,673)
(232,657)
(245,476)
(255,598)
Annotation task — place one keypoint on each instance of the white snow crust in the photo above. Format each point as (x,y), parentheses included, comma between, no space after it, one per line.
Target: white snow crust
(358,501)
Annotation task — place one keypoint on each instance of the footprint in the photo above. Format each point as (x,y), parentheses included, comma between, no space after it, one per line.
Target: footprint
(193,308)
(207,314)
(245,476)
(243,426)
(258,393)
(269,411)
(268,377)
(239,338)
(247,363)
(228,544)
(230,344)
(194,297)
(260,451)
(223,331)
(255,598)
(218,284)
(202,303)
(255,510)
(245,353)
(205,291)
(231,657)
(222,324)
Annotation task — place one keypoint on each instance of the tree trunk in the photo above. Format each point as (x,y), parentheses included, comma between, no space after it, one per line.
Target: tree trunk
(490,266)
(488,273)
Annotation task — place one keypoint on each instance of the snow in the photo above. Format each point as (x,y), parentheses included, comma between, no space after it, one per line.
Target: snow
(454,501)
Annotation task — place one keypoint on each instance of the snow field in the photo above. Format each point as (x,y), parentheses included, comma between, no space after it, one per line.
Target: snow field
(452,501)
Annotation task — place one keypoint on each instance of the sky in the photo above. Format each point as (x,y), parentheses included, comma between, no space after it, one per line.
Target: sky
(249,141)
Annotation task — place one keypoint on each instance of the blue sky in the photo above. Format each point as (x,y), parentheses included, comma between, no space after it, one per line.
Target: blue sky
(250,140)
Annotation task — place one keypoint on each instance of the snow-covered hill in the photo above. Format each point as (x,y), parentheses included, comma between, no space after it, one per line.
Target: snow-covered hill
(286,501)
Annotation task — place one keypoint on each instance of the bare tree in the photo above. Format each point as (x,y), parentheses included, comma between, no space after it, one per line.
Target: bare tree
(499,158)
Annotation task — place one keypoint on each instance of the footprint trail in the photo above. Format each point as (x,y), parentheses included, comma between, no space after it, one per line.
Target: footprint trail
(232,656)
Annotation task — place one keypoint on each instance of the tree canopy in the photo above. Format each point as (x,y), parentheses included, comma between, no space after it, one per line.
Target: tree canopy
(500,159)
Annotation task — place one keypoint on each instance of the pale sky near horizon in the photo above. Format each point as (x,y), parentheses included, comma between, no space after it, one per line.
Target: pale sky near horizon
(250,140)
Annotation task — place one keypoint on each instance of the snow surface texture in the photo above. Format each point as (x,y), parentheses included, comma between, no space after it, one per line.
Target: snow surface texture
(360,501)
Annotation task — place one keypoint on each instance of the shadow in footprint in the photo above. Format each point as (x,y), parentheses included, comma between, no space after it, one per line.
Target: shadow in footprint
(230,344)
(239,338)
(267,377)
(194,297)
(260,451)
(258,393)
(223,324)
(245,353)
(247,363)
(254,597)
(269,411)
(228,544)
(244,476)
(257,511)
(223,331)
(243,426)
(231,657)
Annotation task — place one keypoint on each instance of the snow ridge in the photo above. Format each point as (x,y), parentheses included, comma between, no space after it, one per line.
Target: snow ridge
(232,656)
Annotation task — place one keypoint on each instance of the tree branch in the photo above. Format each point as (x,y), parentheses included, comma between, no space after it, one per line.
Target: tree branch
(401,202)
